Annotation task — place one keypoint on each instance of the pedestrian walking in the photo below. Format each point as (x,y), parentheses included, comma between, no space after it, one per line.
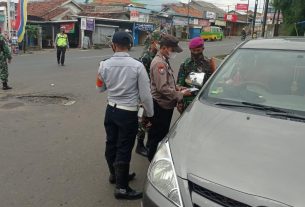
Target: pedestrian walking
(197,63)
(127,83)
(147,57)
(61,44)
(164,91)
(5,57)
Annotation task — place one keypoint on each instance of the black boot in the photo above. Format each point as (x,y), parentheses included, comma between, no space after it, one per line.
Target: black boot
(5,86)
(122,190)
(112,179)
(141,149)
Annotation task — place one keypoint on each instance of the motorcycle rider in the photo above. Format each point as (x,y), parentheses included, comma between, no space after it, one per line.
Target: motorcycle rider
(243,34)
(196,63)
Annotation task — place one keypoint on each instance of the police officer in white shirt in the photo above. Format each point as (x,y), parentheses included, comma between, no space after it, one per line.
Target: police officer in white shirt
(127,83)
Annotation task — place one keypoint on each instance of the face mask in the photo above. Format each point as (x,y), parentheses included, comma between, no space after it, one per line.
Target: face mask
(172,55)
(197,55)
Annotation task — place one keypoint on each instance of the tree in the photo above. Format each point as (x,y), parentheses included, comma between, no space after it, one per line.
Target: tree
(32,31)
(293,11)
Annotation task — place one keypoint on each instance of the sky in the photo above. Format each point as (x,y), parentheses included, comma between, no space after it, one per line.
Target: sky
(156,4)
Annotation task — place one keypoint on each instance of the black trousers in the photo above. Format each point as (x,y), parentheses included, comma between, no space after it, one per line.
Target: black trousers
(160,127)
(61,54)
(121,129)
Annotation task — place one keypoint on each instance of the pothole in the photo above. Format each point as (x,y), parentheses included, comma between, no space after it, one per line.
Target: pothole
(46,99)
(13,101)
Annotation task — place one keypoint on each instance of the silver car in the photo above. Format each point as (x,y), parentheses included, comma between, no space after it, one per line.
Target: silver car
(242,141)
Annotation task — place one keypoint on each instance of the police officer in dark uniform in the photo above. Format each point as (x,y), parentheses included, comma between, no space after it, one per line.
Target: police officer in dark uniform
(127,83)
(165,93)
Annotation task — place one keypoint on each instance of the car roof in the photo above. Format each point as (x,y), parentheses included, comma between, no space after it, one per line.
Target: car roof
(288,43)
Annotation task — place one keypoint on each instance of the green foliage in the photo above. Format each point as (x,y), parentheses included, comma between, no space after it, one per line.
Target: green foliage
(32,31)
(293,11)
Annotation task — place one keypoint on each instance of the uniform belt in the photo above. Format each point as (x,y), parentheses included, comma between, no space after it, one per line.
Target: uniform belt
(127,108)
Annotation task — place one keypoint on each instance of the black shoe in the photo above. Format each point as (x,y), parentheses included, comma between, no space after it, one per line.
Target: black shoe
(62,64)
(6,87)
(112,179)
(122,189)
(127,194)
(141,150)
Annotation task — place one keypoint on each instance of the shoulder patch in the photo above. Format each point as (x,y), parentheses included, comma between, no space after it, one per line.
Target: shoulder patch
(161,68)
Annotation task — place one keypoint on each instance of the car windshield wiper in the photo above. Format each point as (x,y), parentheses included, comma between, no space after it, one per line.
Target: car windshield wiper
(250,105)
(264,107)
(286,115)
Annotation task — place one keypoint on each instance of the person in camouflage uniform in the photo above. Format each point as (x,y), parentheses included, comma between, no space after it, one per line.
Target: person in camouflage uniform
(5,57)
(196,63)
(146,58)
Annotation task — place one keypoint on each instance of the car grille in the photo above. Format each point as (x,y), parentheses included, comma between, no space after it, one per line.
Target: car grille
(215,197)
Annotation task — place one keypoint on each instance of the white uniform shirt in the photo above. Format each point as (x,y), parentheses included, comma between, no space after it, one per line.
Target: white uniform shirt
(127,82)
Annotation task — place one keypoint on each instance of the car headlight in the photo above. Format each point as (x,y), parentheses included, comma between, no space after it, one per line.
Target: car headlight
(162,175)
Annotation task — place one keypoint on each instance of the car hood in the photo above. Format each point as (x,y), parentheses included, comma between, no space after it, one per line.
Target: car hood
(255,154)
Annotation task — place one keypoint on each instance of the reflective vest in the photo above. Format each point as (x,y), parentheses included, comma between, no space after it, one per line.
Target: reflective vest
(62,40)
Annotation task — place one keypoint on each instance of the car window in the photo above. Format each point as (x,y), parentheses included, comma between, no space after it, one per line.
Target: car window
(270,77)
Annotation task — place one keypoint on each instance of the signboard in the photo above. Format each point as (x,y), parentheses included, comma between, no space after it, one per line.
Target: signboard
(90,24)
(241,7)
(2,18)
(180,21)
(69,27)
(230,17)
(204,23)
(83,24)
(134,16)
(220,23)
(144,27)
(87,24)
(143,18)
(196,21)
(210,15)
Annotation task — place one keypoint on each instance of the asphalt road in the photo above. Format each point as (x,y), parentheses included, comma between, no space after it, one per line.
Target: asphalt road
(52,154)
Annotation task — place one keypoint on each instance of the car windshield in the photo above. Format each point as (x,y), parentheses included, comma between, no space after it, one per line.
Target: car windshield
(274,78)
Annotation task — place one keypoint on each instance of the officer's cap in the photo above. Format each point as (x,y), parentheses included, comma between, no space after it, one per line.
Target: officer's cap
(122,38)
(170,41)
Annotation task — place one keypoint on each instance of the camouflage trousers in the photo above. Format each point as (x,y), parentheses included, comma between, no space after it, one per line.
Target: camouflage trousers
(3,73)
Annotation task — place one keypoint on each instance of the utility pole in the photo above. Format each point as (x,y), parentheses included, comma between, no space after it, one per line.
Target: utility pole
(188,20)
(265,18)
(9,17)
(254,17)
(248,13)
